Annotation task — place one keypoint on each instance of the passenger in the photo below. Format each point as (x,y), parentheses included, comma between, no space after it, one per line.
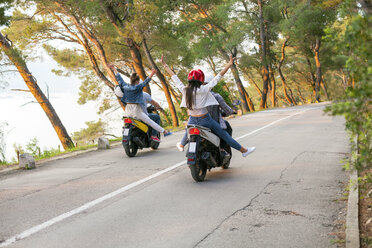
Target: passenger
(215,112)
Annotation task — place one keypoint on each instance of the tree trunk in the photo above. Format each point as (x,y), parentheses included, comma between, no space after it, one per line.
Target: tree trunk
(175,95)
(92,57)
(137,61)
(212,65)
(264,67)
(319,76)
(289,99)
(313,80)
(300,94)
(318,70)
(273,87)
(254,84)
(243,93)
(119,25)
(161,77)
(31,83)
(92,38)
(324,87)
(246,100)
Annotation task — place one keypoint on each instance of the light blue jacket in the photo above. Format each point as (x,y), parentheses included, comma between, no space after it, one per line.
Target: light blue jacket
(132,93)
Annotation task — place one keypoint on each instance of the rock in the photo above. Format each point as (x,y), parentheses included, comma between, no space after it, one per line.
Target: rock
(368,221)
(26,161)
(103,143)
(369,193)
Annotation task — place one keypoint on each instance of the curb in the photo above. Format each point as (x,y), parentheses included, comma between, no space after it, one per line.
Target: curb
(352,216)
(41,162)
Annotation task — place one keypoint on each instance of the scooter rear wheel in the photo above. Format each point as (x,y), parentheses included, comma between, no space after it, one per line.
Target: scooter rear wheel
(198,172)
(130,149)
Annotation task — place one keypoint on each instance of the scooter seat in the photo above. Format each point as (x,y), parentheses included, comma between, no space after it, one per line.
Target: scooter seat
(206,133)
(138,123)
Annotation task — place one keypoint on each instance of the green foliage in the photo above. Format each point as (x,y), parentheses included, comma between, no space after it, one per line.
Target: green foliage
(2,141)
(18,148)
(33,147)
(219,88)
(94,130)
(90,89)
(356,104)
(27,31)
(4,6)
(69,58)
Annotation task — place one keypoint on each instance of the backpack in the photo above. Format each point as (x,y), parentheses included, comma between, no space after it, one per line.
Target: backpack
(118,91)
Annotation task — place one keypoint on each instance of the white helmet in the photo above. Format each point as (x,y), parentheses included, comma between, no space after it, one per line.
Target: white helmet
(118,92)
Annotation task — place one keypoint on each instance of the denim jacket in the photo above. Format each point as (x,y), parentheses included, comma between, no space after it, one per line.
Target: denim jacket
(132,93)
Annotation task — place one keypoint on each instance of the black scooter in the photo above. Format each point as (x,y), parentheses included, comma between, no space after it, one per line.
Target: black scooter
(204,152)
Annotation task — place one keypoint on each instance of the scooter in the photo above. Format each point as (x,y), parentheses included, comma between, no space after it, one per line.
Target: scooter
(137,135)
(204,152)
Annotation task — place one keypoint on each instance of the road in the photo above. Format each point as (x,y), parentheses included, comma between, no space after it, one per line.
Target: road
(285,194)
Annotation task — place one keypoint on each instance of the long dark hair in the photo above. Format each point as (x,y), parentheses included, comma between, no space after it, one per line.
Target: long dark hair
(134,78)
(191,92)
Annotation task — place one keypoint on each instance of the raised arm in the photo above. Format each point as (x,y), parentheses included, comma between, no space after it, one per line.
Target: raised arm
(121,81)
(217,78)
(228,65)
(148,79)
(166,67)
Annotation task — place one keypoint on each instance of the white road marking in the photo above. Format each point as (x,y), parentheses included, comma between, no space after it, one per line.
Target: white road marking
(90,204)
(270,124)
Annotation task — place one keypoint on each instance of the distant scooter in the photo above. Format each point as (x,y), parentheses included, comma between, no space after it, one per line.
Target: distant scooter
(137,135)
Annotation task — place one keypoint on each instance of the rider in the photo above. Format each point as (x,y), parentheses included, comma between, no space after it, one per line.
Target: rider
(133,98)
(196,97)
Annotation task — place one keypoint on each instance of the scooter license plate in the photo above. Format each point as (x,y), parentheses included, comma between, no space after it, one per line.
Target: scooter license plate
(126,132)
(192,147)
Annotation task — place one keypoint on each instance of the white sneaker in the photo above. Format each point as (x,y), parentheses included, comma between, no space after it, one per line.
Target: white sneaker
(180,147)
(249,151)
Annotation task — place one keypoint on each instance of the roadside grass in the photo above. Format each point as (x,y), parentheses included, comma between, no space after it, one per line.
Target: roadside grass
(4,164)
(56,152)
(338,241)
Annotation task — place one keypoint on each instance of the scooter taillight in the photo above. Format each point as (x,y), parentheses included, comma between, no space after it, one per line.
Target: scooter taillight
(127,121)
(194,131)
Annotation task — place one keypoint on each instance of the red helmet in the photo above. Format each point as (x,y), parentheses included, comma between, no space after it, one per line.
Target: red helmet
(197,75)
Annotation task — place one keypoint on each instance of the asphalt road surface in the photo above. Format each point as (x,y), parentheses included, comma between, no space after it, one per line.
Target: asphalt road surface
(285,194)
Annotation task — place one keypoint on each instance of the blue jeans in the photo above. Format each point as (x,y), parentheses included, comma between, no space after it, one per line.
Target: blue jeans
(207,121)
(155,118)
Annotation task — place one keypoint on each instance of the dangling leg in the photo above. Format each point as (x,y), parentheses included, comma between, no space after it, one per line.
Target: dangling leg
(145,118)
(213,125)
